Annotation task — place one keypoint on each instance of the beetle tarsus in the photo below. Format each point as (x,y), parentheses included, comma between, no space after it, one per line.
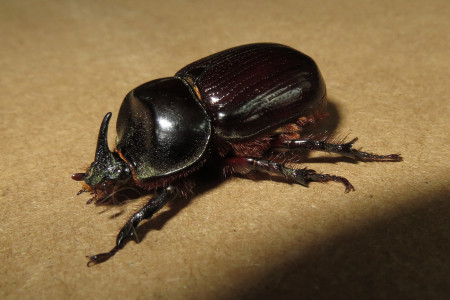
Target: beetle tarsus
(244,165)
(344,149)
(102,257)
(365,156)
(128,231)
(326,177)
(304,175)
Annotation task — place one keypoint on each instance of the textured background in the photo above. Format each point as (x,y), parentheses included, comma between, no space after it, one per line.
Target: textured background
(64,64)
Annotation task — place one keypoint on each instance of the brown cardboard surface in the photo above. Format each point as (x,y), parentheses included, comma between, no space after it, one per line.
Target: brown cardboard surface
(64,64)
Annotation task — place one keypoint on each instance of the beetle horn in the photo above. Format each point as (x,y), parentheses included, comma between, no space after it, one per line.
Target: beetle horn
(102,151)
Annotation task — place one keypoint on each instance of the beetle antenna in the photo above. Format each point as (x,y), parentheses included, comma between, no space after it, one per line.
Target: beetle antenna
(102,151)
(78,176)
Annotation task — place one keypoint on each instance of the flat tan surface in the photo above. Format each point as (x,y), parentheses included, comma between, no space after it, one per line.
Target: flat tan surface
(64,64)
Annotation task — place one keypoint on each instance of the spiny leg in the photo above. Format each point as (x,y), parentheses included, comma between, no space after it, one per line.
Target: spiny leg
(244,165)
(128,230)
(345,149)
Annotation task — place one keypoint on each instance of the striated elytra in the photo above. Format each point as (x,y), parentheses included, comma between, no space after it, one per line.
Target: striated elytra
(240,110)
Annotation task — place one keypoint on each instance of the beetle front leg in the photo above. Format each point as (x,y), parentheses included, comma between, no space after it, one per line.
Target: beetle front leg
(244,165)
(345,149)
(129,229)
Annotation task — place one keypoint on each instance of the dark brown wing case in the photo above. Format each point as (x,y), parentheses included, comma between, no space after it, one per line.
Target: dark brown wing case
(253,89)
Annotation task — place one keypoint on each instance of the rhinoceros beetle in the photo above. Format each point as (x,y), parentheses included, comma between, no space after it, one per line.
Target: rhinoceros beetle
(241,109)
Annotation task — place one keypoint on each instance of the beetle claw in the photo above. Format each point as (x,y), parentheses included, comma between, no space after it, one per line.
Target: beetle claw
(99,258)
(102,257)
(348,186)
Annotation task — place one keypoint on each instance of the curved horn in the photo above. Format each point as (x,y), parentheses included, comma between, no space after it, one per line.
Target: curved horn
(102,151)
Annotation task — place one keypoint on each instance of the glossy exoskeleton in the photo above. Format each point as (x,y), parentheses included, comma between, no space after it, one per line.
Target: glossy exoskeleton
(242,109)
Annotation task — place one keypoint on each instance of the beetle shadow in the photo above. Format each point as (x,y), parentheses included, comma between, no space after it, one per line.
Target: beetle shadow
(121,197)
(330,123)
(326,127)
(209,177)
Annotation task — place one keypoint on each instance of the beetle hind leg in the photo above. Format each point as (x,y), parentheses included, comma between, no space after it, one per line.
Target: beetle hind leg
(128,231)
(344,149)
(245,165)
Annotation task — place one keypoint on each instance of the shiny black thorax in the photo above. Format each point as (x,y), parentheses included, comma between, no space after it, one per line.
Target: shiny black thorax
(162,128)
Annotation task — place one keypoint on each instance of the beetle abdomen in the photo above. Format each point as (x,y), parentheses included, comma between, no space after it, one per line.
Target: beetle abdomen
(256,88)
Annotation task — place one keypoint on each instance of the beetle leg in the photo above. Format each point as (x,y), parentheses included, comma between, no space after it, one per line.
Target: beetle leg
(129,229)
(244,165)
(345,149)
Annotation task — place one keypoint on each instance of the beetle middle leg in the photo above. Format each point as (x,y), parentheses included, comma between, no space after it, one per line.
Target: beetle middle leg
(129,229)
(344,149)
(244,165)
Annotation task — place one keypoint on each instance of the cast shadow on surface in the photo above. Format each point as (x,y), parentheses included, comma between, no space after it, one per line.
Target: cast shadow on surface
(211,177)
(401,256)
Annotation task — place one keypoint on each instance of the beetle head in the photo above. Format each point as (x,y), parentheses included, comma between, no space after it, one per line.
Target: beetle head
(107,168)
